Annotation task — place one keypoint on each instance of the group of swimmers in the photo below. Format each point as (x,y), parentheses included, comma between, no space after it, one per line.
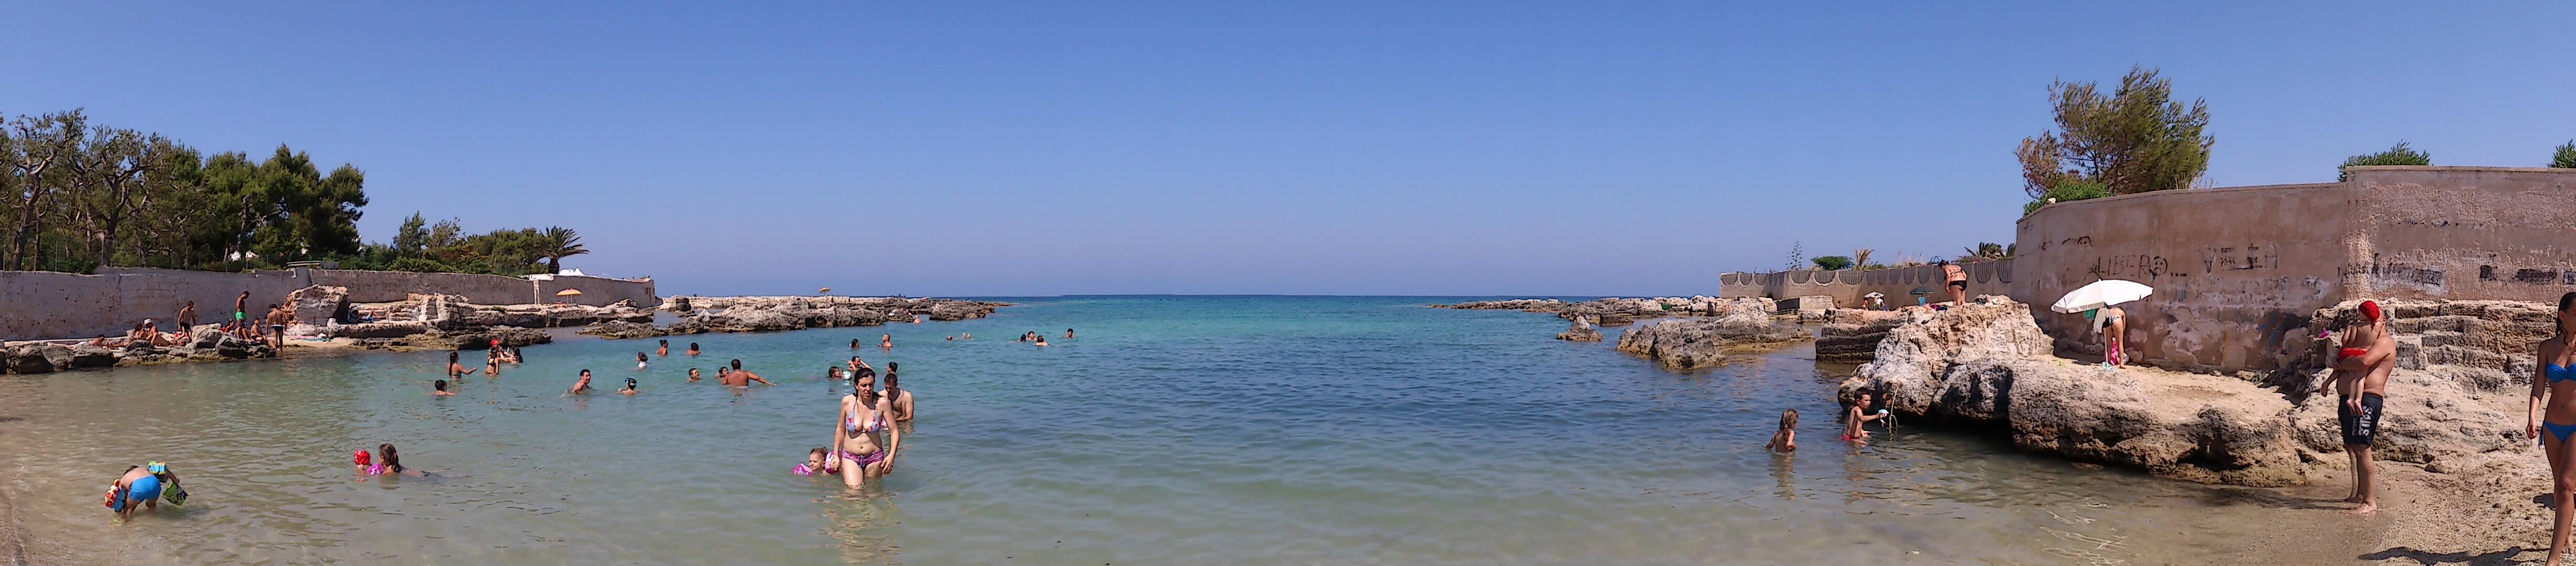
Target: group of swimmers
(1785,439)
(1033,336)
(867,433)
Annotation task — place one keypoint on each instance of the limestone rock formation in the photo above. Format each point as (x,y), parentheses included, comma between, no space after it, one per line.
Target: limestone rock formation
(1988,364)
(510,337)
(319,305)
(1580,331)
(1694,343)
(762,314)
(2426,416)
(1852,336)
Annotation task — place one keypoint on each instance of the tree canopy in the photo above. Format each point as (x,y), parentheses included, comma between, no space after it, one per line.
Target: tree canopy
(80,196)
(2134,140)
(2565,157)
(83,196)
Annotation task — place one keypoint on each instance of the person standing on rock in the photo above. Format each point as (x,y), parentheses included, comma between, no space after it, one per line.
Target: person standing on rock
(187,317)
(2553,410)
(241,310)
(2361,366)
(1958,282)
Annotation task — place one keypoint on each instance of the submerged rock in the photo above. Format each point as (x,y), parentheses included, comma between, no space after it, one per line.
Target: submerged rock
(510,337)
(1580,331)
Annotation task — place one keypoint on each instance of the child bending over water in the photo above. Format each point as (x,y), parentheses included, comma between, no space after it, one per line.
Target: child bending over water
(1785,439)
(1857,414)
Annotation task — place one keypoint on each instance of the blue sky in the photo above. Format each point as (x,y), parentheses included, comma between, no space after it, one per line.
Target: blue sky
(1309,147)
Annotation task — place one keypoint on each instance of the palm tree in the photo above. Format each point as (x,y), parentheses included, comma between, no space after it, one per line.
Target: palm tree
(560,242)
(1860,258)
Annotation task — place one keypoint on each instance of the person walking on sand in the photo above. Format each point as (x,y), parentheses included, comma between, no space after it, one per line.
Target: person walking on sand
(2361,367)
(1958,281)
(2553,410)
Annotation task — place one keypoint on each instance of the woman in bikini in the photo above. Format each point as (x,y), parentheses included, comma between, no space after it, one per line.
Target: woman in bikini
(855,450)
(2557,370)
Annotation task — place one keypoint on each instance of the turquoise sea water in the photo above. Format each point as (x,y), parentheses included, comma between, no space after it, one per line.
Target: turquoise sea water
(1172,430)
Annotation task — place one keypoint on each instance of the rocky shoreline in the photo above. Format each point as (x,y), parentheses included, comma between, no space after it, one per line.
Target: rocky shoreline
(444,322)
(1611,311)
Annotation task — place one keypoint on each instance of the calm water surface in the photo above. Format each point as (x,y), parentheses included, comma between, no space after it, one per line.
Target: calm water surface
(1173,430)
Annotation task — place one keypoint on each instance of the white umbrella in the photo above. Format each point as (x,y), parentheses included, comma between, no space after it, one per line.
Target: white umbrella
(1872,295)
(2100,294)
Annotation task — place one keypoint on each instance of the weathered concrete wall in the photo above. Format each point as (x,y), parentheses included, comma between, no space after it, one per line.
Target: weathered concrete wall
(2240,271)
(390,286)
(2235,269)
(599,291)
(2462,233)
(46,305)
(38,304)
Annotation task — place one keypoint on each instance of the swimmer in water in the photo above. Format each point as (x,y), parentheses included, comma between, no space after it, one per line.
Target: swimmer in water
(885,341)
(693,348)
(693,375)
(491,362)
(739,376)
(1785,439)
(639,360)
(1041,341)
(813,462)
(854,343)
(439,389)
(455,369)
(898,400)
(1068,333)
(662,350)
(629,389)
(832,373)
(1858,414)
(582,386)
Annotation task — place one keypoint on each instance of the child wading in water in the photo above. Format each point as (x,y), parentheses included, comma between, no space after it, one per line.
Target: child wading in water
(813,462)
(1857,414)
(1785,439)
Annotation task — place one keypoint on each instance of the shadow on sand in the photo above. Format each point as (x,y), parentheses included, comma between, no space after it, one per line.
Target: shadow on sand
(2499,557)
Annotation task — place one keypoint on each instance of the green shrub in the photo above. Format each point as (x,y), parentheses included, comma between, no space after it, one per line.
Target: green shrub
(419,264)
(2566,156)
(1833,263)
(2396,155)
(2068,191)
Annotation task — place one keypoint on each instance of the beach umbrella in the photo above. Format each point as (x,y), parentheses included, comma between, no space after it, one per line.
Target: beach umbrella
(2100,294)
(568,293)
(823,291)
(1872,295)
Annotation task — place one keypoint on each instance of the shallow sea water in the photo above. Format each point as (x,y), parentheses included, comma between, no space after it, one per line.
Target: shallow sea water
(1172,430)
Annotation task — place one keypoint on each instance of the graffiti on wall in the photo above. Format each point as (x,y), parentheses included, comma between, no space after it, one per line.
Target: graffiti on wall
(2240,258)
(2140,266)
